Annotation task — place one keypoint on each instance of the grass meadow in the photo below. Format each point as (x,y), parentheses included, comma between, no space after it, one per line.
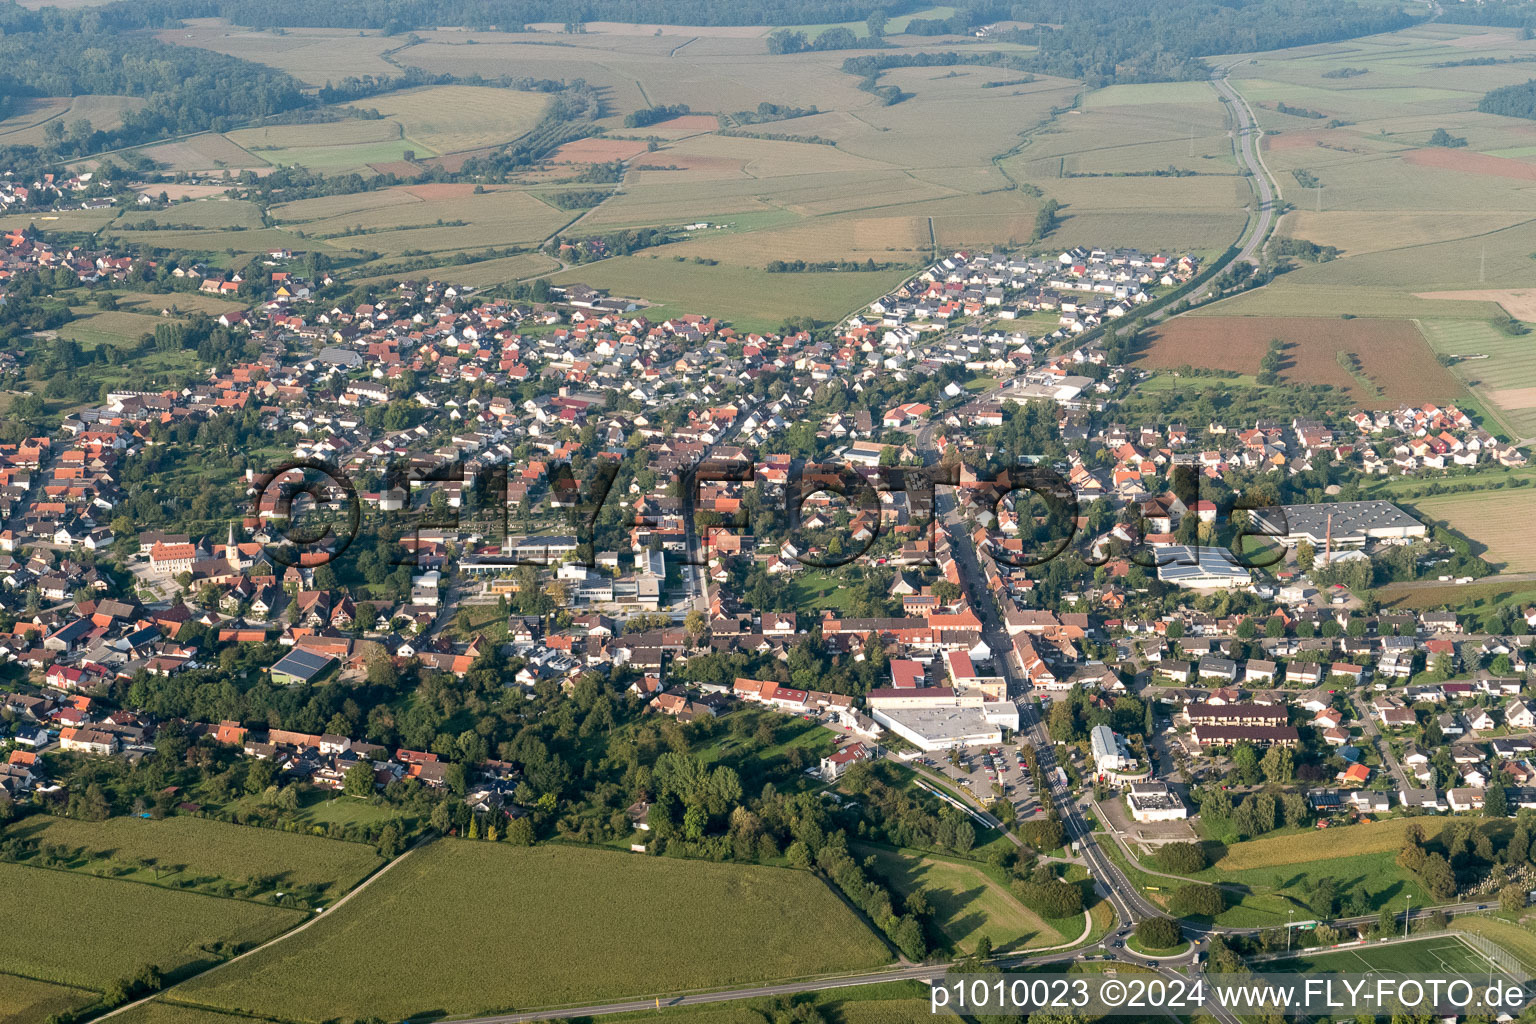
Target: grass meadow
(968,903)
(545,916)
(754,299)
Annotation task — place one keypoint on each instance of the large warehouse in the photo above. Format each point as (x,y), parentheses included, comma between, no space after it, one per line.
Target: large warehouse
(1351,523)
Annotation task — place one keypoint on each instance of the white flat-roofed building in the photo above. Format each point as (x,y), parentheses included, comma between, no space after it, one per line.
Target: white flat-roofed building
(941,728)
(1154,801)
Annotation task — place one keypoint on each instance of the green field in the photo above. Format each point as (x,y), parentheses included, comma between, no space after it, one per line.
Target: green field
(453,118)
(894,1002)
(201,213)
(1441,957)
(204,849)
(160,1012)
(24,1001)
(1501,370)
(967,902)
(564,910)
(117,327)
(76,926)
(751,299)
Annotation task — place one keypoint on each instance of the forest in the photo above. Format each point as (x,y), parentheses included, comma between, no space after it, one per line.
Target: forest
(1511,101)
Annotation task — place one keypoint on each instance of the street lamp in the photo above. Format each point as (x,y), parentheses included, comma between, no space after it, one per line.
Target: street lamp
(1288,915)
(1407,913)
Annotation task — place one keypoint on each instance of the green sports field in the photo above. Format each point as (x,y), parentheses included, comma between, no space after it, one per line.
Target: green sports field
(1437,957)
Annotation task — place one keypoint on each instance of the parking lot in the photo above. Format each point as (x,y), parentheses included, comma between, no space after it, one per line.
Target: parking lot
(973,776)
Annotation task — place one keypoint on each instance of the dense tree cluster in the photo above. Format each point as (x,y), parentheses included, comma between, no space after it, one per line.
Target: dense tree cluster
(654,115)
(1511,100)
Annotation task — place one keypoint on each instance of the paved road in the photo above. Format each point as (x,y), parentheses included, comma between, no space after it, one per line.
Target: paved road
(1383,748)
(1246,142)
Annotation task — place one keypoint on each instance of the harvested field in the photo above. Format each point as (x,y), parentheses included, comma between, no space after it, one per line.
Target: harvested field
(322,207)
(399,168)
(1519,303)
(1393,356)
(1500,521)
(442,190)
(693,122)
(597,151)
(201,153)
(27,128)
(1357,232)
(1372,837)
(1472,163)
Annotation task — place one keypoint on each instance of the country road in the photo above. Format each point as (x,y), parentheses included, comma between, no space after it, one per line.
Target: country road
(1246,139)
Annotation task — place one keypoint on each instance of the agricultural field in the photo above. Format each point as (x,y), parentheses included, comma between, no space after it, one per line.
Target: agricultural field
(171,929)
(893,1002)
(433,218)
(1497,521)
(483,273)
(753,299)
(201,847)
(1395,365)
(1500,368)
(28,128)
(967,902)
(312,55)
(198,213)
(117,327)
(161,1012)
(1479,596)
(1353,155)
(333,148)
(781,924)
(24,1001)
(453,118)
(205,152)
